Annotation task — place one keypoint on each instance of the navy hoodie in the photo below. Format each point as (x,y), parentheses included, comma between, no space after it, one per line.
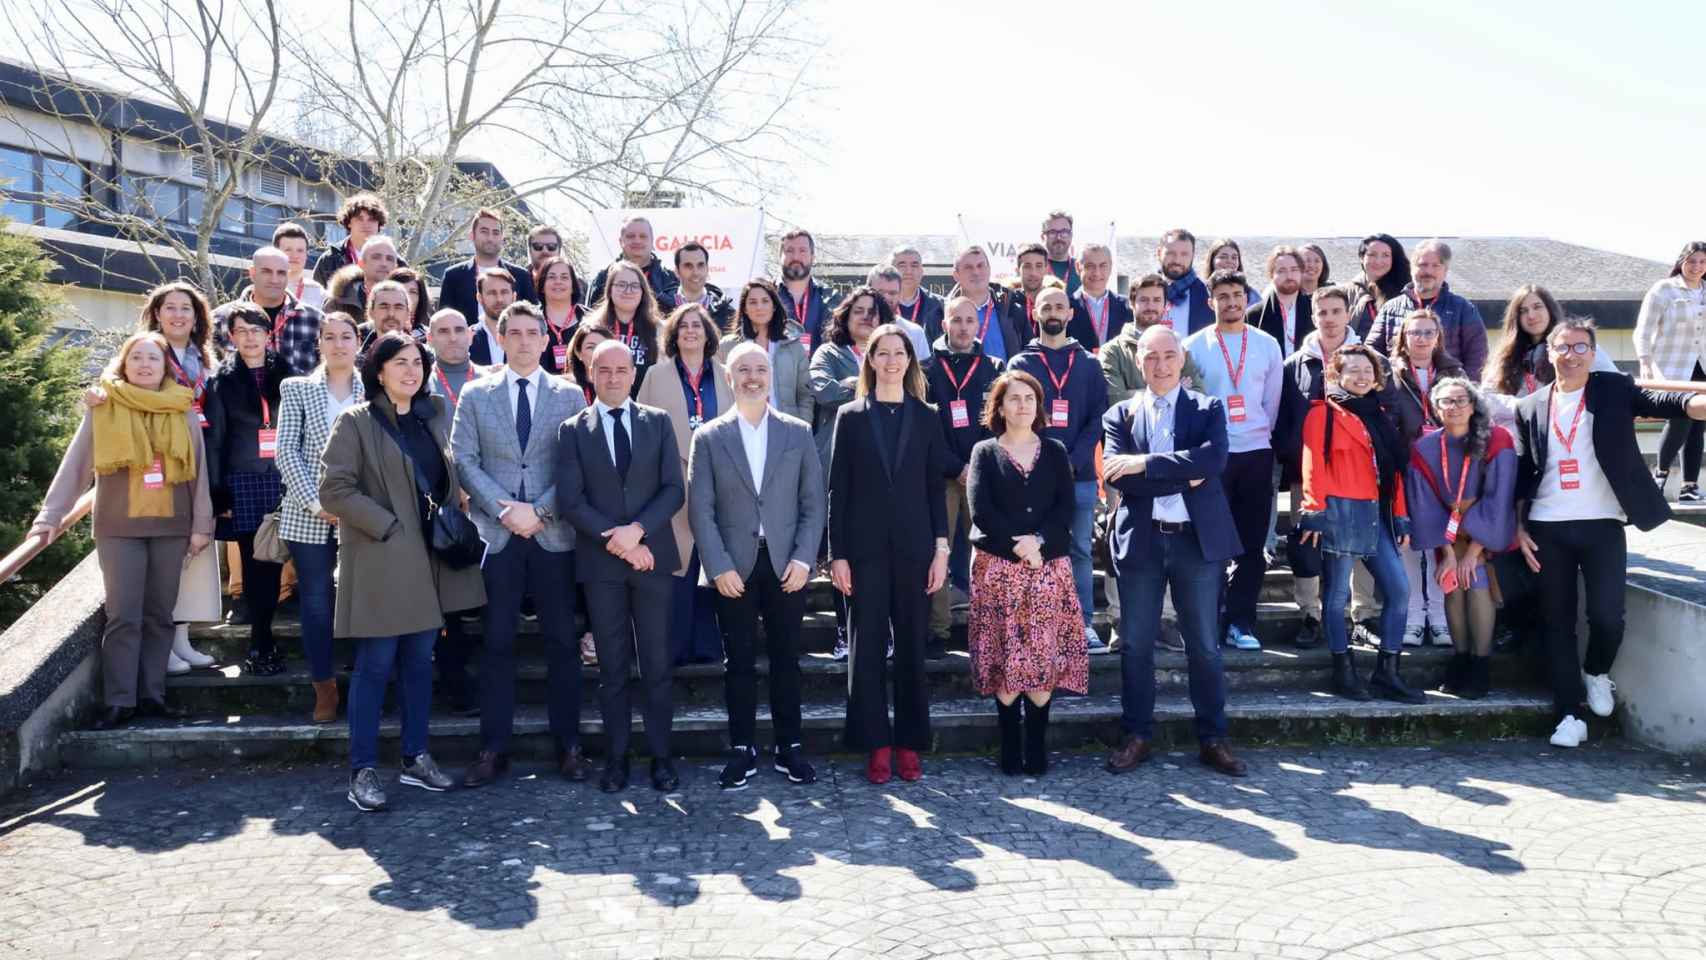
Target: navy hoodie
(1085,391)
(941,376)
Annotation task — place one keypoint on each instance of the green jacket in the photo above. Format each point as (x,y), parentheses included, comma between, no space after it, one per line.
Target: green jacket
(1125,375)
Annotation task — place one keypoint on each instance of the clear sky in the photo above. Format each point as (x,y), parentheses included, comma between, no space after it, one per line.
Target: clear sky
(1584,122)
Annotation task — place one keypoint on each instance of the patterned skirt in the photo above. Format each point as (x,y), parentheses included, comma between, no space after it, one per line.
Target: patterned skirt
(253,496)
(1027,630)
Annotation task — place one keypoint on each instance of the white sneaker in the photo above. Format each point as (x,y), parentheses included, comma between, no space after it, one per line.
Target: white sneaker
(1570,732)
(1093,642)
(1413,637)
(1600,688)
(183,651)
(174,666)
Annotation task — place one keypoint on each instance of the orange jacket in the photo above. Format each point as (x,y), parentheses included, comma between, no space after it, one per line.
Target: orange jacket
(1350,473)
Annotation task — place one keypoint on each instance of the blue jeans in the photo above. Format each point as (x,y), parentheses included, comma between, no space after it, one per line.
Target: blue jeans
(314,565)
(1083,530)
(1387,569)
(1176,560)
(411,653)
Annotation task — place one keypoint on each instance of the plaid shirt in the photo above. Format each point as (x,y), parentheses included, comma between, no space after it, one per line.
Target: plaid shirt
(1670,331)
(296,336)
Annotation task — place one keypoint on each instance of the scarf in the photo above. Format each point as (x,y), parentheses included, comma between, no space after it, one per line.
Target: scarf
(1180,290)
(134,428)
(1389,447)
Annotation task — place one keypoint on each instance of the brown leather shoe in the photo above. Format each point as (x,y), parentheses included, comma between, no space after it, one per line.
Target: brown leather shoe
(1133,752)
(1217,757)
(325,701)
(571,763)
(487,767)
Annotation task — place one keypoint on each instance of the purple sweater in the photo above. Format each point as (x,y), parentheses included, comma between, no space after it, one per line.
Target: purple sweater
(1430,485)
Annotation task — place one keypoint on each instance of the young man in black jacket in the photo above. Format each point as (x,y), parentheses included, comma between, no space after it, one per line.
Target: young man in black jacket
(959,378)
(460,291)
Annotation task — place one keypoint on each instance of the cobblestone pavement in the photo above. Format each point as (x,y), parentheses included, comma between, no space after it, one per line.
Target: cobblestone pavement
(1505,850)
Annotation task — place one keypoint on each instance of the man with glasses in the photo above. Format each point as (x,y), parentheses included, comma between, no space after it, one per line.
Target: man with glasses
(460,290)
(1461,327)
(1057,239)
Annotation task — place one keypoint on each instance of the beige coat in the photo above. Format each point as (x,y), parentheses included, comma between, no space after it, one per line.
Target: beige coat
(662,389)
(384,563)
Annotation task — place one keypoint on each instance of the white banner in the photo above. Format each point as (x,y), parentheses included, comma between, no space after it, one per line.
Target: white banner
(734,237)
(1003,238)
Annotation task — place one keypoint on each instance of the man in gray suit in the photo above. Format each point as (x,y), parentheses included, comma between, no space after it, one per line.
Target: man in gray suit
(756,503)
(505,443)
(619,482)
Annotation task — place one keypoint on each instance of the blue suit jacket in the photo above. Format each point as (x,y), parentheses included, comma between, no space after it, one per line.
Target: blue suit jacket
(1199,442)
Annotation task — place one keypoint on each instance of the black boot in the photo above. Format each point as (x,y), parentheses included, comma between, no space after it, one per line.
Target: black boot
(1036,737)
(1346,683)
(1012,763)
(1385,683)
(1480,678)
(1456,675)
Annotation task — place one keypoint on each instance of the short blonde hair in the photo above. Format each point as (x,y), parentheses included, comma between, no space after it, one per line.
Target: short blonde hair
(115,367)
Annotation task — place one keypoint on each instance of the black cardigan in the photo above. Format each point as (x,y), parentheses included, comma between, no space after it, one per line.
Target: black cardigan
(1005,503)
(233,411)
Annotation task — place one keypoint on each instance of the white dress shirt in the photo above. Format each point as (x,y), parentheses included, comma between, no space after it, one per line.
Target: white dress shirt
(494,342)
(755,440)
(1162,412)
(535,383)
(609,424)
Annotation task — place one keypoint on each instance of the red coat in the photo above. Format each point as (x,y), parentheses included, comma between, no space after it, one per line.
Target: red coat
(1350,473)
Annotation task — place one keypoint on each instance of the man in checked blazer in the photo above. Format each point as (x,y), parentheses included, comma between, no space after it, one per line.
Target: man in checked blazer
(505,444)
(619,482)
(756,502)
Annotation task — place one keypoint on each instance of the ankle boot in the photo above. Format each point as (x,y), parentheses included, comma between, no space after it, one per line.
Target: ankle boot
(1036,737)
(1456,675)
(1346,683)
(1011,757)
(1480,678)
(325,701)
(188,654)
(1385,683)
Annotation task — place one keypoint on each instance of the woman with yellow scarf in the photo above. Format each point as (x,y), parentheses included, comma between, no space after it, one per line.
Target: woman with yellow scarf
(143,450)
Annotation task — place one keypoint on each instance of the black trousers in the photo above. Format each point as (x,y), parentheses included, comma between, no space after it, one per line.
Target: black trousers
(888,591)
(1686,434)
(782,613)
(630,623)
(1599,552)
(524,567)
(451,655)
(260,591)
(1249,483)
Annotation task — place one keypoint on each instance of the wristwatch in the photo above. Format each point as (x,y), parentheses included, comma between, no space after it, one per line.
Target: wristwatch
(545,514)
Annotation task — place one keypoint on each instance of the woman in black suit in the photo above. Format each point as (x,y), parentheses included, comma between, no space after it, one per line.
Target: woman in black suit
(888,532)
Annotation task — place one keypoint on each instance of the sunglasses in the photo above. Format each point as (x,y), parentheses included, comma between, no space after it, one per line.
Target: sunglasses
(545,247)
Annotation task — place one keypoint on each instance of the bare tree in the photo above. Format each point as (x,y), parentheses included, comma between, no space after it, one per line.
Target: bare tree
(110,65)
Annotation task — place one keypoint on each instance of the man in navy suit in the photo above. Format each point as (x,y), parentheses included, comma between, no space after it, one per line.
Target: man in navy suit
(1164,450)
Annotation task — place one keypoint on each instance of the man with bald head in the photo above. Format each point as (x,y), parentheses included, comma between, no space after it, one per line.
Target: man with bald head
(636,240)
(756,502)
(1164,449)
(295,325)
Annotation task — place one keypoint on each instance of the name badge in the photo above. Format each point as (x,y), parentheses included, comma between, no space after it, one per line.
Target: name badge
(201,418)
(1451,527)
(154,477)
(560,353)
(1235,408)
(693,422)
(806,341)
(1569,475)
(268,442)
(958,413)
(1060,414)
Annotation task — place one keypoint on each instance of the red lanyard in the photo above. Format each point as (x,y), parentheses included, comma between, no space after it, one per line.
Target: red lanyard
(623,333)
(917,305)
(1570,441)
(445,382)
(960,387)
(278,325)
(1100,326)
(1243,352)
(1060,381)
(266,415)
(1030,324)
(693,381)
(183,378)
(1422,377)
(803,309)
(984,318)
(1462,475)
(558,331)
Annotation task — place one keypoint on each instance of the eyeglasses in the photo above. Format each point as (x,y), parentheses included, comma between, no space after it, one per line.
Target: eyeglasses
(1422,334)
(626,286)
(1579,349)
(1058,233)
(1451,403)
(545,247)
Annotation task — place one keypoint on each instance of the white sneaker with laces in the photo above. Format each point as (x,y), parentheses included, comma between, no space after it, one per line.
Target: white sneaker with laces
(174,666)
(1413,637)
(1600,688)
(1570,732)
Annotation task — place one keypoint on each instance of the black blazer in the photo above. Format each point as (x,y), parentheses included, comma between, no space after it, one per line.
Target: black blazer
(879,510)
(1081,328)
(460,292)
(1006,503)
(233,409)
(1615,402)
(1267,317)
(594,498)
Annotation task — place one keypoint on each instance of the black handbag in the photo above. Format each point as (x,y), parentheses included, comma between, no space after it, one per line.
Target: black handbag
(452,537)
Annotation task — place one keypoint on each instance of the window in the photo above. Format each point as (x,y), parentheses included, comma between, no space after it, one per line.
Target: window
(263,218)
(233,217)
(39,189)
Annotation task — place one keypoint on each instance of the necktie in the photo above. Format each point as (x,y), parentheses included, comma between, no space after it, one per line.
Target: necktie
(523,427)
(624,449)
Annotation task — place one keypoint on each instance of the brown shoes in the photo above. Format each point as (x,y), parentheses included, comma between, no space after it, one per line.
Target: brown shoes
(1217,757)
(1133,752)
(325,701)
(571,763)
(487,767)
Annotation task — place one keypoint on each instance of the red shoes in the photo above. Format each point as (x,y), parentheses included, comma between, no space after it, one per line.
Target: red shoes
(877,768)
(910,767)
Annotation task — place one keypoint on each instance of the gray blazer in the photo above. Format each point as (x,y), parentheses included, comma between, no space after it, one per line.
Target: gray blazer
(790,374)
(726,510)
(492,464)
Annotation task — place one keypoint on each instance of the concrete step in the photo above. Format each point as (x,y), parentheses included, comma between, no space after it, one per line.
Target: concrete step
(958,724)
(229,692)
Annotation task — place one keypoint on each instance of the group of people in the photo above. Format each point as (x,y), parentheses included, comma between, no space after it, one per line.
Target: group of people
(670,465)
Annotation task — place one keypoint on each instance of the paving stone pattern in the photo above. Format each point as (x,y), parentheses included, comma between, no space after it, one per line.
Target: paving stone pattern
(1507,849)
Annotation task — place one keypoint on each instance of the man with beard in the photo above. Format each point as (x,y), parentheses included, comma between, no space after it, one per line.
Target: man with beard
(1057,239)
(1188,305)
(487,236)
(1074,397)
(1098,315)
(915,303)
(806,300)
(1242,366)
(1461,330)
(1283,314)
(1033,269)
(1000,315)
(497,291)
(636,242)
(543,242)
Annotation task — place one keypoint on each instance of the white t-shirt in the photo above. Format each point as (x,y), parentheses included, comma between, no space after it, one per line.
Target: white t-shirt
(1593,498)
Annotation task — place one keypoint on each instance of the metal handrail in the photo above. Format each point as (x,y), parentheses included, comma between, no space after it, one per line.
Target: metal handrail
(35,543)
(1673,386)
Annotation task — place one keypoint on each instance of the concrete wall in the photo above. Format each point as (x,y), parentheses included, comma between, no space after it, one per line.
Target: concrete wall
(1661,672)
(48,672)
